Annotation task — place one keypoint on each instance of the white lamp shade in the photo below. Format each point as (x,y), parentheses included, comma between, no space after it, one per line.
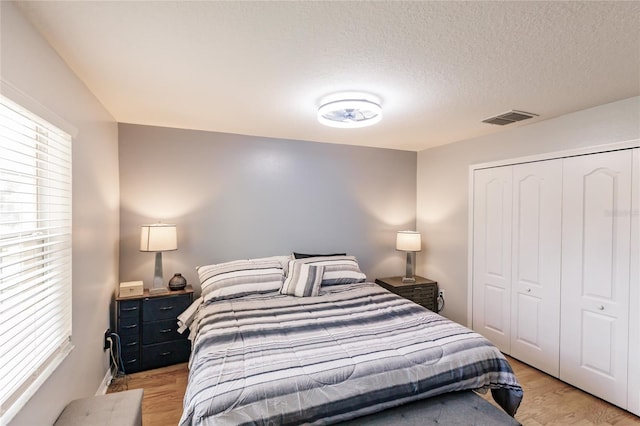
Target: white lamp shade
(408,241)
(158,237)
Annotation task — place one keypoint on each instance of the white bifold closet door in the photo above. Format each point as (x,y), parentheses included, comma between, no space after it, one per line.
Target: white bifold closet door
(492,255)
(535,291)
(516,260)
(596,231)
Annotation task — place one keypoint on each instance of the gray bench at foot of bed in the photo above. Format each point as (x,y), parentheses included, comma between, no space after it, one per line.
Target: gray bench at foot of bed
(114,409)
(457,408)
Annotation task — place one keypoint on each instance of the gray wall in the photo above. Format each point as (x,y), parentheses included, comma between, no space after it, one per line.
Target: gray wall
(235,197)
(30,65)
(443,183)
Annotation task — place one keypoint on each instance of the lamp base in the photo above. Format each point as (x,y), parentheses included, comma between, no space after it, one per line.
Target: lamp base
(158,282)
(408,276)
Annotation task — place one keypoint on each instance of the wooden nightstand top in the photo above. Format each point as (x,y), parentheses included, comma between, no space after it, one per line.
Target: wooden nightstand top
(187,290)
(397,281)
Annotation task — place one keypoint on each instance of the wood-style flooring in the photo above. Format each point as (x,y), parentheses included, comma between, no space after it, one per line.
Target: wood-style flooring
(164,390)
(547,401)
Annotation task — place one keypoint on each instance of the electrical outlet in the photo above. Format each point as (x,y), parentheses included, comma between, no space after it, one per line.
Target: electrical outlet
(107,334)
(441,293)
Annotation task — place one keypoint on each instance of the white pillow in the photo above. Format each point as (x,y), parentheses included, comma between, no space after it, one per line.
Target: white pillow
(283,260)
(239,278)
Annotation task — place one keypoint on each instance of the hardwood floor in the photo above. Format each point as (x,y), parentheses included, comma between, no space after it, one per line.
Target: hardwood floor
(164,389)
(547,401)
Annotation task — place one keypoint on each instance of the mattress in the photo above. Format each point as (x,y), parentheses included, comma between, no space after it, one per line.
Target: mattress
(353,350)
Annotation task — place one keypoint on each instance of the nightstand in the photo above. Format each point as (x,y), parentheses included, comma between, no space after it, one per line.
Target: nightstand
(148,329)
(424,291)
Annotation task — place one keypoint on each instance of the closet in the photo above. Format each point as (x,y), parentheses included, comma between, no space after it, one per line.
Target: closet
(555,268)
(516,234)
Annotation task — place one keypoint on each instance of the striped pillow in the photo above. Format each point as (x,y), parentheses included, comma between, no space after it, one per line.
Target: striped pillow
(304,280)
(239,278)
(337,269)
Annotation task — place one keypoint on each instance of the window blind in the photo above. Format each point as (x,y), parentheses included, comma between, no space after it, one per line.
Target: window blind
(35,252)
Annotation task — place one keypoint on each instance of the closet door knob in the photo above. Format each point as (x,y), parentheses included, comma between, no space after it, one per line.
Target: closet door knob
(528,290)
(601,307)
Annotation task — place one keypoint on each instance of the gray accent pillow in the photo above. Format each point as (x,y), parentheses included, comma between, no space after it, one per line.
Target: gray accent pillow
(304,280)
(337,269)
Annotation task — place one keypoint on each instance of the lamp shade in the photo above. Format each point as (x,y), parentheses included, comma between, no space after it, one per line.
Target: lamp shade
(158,237)
(408,241)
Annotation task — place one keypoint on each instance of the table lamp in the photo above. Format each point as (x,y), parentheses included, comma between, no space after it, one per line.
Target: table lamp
(410,242)
(158,237)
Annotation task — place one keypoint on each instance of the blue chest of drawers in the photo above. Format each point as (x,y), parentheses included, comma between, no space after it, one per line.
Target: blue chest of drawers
(147,326)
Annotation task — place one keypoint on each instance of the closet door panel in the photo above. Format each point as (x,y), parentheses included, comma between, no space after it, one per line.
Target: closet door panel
(492,255)
(537,209)
(595,273)
(634,307)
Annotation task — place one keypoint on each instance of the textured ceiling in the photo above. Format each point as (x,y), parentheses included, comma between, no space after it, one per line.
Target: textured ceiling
(260,68)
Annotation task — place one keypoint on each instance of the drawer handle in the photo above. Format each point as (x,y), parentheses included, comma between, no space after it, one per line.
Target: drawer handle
(135,308)
(128,327)
(166,330)
(132,361)
(131,344)
(166,308)
(601,308)
(165,353)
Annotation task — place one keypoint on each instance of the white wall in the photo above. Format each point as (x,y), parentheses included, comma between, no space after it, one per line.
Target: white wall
(443,183)
(236,196)
(29,64)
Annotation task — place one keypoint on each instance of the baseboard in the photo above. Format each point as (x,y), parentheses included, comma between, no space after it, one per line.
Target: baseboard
(105,383)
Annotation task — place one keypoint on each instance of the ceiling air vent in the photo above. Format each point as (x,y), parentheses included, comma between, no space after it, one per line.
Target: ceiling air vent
(509,117)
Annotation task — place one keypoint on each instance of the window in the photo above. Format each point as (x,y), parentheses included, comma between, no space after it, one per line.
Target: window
(35,253)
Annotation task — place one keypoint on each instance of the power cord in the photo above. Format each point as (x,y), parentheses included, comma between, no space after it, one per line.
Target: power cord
(119,379)
(119,351)
(440,301)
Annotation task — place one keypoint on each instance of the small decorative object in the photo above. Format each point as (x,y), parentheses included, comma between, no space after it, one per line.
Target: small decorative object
(131,288)
(177,282)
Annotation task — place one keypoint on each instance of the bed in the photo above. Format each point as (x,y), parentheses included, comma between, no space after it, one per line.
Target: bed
(281,342)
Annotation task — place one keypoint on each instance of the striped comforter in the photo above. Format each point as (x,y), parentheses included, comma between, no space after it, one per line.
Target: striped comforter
(353,350)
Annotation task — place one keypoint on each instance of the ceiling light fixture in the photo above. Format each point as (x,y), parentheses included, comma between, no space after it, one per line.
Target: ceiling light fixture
(349,112)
